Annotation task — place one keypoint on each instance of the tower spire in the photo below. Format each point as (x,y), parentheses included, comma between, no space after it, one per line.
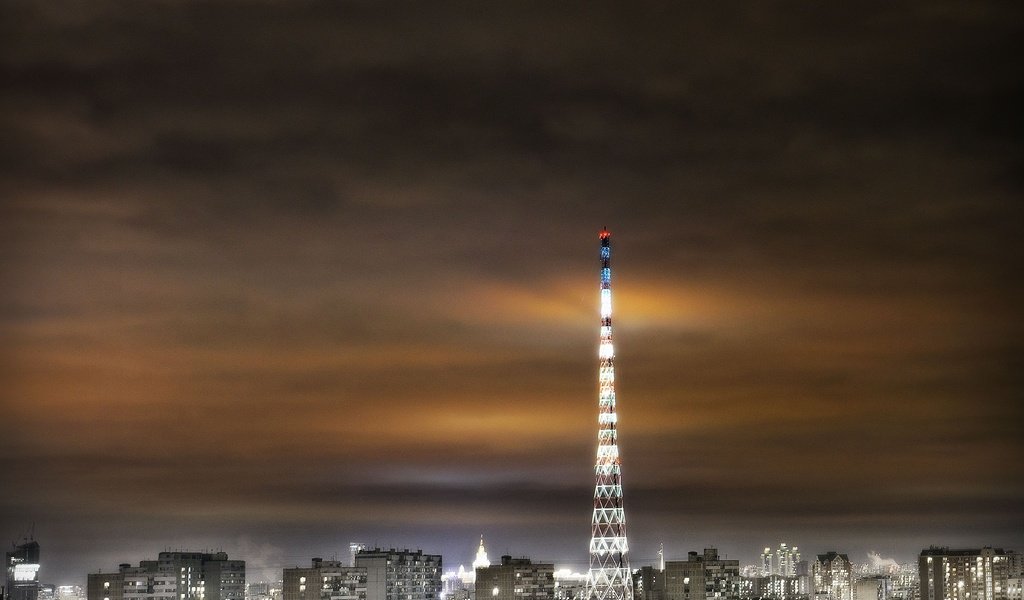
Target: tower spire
(481,556)
(609,577)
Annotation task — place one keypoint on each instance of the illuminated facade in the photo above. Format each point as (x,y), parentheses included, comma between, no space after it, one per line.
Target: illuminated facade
(983,574)
(481,561)
(173,576)
(783,562)
(516,579)
(609,577)
(461,584)
(23,571)
(70,592)
(786,559)
(324,580)
(833,577)
(776,587)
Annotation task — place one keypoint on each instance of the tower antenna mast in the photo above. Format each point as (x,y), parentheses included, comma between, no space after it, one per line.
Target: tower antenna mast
(609,577)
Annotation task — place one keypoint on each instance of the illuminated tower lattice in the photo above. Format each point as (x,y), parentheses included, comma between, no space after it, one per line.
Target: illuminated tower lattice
(609,577)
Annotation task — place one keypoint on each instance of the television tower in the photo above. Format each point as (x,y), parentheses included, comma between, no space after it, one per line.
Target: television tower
(609,577)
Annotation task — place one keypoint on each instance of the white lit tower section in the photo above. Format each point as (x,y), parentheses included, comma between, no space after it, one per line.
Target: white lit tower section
(609,577)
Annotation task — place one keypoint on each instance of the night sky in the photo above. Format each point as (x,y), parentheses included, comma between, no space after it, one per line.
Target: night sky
(278,276)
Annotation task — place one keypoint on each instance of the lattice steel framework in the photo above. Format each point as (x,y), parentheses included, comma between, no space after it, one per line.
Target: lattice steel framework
(609,577)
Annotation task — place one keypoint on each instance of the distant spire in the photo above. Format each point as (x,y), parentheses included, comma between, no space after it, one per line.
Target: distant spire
(481,556)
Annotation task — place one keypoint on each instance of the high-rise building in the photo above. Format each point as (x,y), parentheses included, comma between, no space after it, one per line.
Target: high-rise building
(787,559)
(609,577)
(460,584)
(481,561)
(23,571)
(702,577)
(782,562)
(173,576)
(1015,580)
(516,579)
(150,582)
(833,577)
(980,574)
(400,574)
(324,580)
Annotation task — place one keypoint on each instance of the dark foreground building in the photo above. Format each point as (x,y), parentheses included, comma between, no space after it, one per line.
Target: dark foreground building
(980,574)
(400,574)
(702,577)
(23,571)
(173,576)
(516,579)
(324,580)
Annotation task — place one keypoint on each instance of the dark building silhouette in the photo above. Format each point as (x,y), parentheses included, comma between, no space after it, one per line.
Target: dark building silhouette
(649,584)
(324,580)
(516,579)
(702,577)
(173,576)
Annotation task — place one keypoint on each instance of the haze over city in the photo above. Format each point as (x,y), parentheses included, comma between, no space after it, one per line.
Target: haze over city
(279,276)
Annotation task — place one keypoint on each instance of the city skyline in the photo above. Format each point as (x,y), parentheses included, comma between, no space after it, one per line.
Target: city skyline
(277,277)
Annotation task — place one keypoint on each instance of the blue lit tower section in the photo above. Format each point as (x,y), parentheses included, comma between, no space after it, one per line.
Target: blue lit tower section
(609,577)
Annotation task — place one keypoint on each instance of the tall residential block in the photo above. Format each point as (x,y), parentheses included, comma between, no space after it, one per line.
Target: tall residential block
(833,577)
(702,577)
(324,580)
(786,560)
(173,576)
(400,574)
(979,574)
